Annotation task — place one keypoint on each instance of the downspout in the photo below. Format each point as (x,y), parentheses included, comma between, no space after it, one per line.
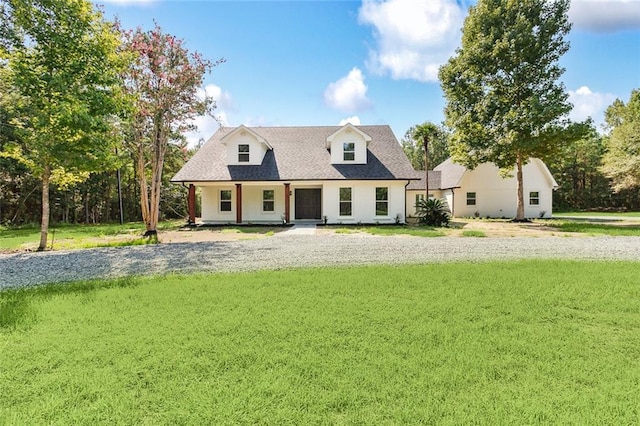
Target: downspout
(405,200)
(453,201)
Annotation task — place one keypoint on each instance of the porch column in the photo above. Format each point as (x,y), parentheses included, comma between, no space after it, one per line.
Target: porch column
(191,204)
(238,203)
(287,202)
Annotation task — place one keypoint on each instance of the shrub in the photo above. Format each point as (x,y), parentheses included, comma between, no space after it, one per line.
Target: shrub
(433,212)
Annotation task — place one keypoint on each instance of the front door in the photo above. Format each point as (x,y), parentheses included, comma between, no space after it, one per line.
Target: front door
(308,204)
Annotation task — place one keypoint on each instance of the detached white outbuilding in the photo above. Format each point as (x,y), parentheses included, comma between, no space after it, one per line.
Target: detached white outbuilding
(484,192)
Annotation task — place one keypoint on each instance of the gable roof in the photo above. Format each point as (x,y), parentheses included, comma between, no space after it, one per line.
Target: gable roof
(348,127)
(242,128)
(418,184)
(299,153)
(450,174)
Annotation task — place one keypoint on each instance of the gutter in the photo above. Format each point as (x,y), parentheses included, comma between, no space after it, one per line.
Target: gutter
(405,199)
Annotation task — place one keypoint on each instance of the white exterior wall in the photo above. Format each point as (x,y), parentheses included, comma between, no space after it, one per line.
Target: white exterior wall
(211,204)
(363,201)
(257,150)
(251,203)
(411,199)
(496,196)
(347,137)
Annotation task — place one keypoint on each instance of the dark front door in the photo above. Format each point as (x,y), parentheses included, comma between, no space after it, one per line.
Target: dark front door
(308,204)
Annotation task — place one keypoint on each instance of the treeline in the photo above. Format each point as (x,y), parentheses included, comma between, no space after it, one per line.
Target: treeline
(95,200)
(92,116)
(598,172)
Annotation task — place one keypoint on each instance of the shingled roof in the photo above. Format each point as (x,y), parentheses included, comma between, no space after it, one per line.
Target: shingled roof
(299,153)
(450,174)
(434,180)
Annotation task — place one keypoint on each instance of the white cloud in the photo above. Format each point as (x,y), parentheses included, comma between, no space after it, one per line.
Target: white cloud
(605,15)
(349,93)
(589,104)
(208,125)
(413,37)
(355,120)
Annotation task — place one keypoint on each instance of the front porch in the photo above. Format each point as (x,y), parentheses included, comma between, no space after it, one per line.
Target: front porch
(257,203)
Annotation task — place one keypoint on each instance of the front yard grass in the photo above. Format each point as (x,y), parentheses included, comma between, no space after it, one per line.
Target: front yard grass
(77,236)
(553,342)
(612,215)
(591,228)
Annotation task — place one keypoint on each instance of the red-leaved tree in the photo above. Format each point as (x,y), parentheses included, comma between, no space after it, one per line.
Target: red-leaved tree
(165,81)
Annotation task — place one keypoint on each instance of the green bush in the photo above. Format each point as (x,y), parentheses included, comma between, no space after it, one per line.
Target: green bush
(433,212)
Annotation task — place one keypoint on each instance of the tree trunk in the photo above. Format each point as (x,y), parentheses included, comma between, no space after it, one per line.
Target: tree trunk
(144,194)
(519,190)
(157,164)
(425,142)
(44,225)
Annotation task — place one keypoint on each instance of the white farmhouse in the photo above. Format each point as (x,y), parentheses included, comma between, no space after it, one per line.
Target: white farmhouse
(347,174)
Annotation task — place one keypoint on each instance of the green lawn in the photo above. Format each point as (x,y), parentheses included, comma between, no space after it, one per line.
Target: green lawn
(72,236)
(490,343)
(598,214)
(597,228)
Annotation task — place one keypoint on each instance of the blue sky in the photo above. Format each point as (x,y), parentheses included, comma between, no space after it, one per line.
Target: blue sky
(370,61)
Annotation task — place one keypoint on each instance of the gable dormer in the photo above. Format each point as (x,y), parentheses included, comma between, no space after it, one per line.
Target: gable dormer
(348,145)
(245,147)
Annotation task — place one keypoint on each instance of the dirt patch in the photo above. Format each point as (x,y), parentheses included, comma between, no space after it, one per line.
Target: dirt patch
(507,228)
(198,235)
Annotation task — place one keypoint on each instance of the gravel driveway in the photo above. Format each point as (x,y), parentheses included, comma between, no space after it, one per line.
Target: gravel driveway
(289,250)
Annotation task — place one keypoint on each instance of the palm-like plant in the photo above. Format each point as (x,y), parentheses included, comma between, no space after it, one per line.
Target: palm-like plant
(433,212)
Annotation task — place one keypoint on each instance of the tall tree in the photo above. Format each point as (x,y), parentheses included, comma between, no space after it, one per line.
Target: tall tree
(62,62)
(165,80)
(505,102)
(622,160)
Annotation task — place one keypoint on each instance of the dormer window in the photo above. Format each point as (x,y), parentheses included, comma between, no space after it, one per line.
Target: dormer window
(349,151)
(243,153)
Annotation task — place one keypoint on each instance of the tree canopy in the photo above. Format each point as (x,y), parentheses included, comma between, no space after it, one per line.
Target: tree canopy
(505,102)
(621,162)
(60,61)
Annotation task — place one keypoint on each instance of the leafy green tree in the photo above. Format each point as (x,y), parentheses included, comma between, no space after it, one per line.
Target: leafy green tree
(505,102)
(576,169)
(64,66)
(165,81)
(622,160)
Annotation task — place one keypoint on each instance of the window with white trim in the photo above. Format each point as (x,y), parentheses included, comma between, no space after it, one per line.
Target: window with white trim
(534,198)
(345,201)
(268,200)
(471,198)
(243,153)
(225,200)
(348,151)
(382,201)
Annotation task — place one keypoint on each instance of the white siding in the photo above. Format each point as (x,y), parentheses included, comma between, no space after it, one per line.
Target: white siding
(363,201)
(211,205)
(257,150)
(348,136)
(496,196)
(363,195)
